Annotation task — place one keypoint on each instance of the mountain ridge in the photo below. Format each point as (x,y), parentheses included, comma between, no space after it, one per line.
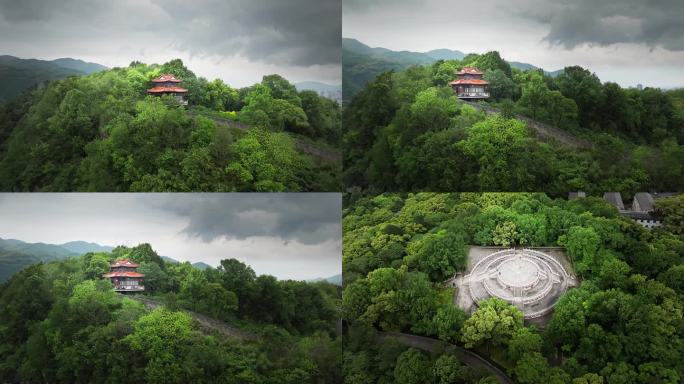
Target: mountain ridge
(331,91)
(80,65)
(362,63)
(17,74)
(335,279)
(15,254)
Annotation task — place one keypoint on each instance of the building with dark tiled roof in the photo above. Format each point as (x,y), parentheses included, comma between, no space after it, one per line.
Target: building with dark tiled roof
(615,198)
(643,202)
(124,277)
(642,209)
(576,195)
(470,84)
(168,84)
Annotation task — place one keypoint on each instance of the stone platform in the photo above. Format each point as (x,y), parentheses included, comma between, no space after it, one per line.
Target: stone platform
(532,279)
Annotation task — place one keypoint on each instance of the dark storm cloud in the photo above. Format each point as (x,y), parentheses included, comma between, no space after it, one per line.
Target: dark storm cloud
(41,10)
(299,32)
(653,23)
(290,32)
(308,218)
(361,5)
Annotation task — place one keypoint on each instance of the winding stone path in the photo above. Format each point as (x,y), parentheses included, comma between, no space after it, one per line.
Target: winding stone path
(432,345)
(543,131)
(325,154)
(206,323)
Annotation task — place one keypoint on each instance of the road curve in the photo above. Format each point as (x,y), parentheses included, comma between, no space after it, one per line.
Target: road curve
(431,345)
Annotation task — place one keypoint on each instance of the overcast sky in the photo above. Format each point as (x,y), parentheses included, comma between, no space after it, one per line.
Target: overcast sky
(287,235)
(238,41)
(626,41)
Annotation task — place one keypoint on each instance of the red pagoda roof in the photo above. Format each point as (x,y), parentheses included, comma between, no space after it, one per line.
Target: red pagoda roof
(469,71)
(166,78)
(124,263)
(167,90)
(469,81)
(123,274)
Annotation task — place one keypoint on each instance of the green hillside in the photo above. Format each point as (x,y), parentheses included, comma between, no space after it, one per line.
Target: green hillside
(406,131)
(101,132)
(361,63)
(15,255)
(61,323)
(17,74)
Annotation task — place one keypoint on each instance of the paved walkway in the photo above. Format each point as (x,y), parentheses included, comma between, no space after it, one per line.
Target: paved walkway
(542,130)
(206,323)
(321,153)
(431,345)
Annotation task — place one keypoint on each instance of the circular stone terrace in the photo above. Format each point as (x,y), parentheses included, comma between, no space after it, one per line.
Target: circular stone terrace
(529,279)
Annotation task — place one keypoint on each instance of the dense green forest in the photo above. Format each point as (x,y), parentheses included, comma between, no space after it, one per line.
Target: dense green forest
(406,131)
(623,324)
(361,63)
(61,323)
(102,133)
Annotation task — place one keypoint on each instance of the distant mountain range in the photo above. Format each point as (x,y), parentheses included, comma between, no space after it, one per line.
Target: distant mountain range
(18,74)
(330,91)
(336,280)
(361,63)
(82,247)
(16,255)
(199,265)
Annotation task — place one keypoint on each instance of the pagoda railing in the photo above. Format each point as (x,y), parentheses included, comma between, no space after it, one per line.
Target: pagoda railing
(132,288)
(473,94)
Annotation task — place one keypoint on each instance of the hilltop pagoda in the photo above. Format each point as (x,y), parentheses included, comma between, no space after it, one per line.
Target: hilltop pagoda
(168,84)
(123,275)
(470,85)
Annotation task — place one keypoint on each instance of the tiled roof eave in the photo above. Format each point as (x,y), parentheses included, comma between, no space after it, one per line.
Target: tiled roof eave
(167,90)
(469,82)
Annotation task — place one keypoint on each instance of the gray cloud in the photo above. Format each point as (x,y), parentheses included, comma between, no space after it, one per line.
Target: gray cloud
(40,10)
(285,33)
(362,5)
(308,218)
(300,32)
(572,23)
(629,42)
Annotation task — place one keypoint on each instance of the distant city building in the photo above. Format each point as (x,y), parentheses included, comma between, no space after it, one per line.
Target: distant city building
(470,85)
(124,277)
(647,220)
(640,87)
(642,209)
(615,198)
(168,84)
(643,202)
